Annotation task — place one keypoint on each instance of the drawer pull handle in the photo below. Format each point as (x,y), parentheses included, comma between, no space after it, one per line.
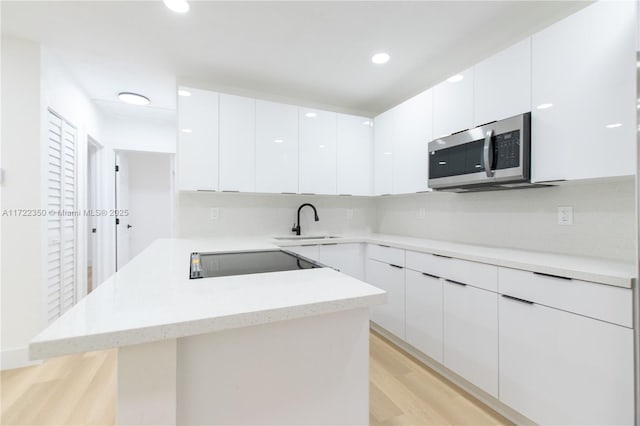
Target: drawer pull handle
(456,282)
(395,266)
(553,276)
(430,275)
(382,245)
(441,255)
(330,244)
(517,299)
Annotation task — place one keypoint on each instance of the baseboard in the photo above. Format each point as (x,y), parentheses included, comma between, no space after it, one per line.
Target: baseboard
(16,358)
(482,396)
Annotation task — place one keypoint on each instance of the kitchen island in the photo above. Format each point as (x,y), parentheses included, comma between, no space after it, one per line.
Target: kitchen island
(274,348)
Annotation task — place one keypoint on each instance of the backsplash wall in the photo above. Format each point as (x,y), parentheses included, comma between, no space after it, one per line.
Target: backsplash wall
(271,215)
(603,218)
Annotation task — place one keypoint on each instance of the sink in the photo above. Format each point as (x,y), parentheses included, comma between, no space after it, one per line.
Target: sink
(298,237)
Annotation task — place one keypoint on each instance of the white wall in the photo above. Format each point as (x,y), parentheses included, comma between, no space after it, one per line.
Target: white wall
(262,214)
(604,218)
(150,198)
(142,134)
(22,290)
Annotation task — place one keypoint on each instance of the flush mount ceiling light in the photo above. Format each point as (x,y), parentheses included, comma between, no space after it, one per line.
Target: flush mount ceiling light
(311,115)
(178,6)
(380,58)
(187,131)
(133,98)
(613,126)
(278,141)
(544,106)
(183,92)
(455,78)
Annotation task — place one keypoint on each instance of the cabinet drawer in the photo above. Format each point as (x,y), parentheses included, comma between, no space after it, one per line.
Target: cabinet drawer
(607,303)
(386,254)
(473,273)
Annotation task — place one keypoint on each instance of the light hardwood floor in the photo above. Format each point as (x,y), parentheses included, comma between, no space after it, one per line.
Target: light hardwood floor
(81,390)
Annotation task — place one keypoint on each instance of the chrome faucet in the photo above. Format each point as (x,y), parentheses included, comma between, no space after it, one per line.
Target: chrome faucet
(295,228)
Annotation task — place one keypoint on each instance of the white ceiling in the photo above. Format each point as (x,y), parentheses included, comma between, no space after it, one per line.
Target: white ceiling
(315,53)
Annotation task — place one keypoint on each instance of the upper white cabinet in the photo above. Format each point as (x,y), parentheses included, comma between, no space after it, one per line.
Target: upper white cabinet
(237,143)
(453,104)
(318,137)
(583,91)
(413,132)
(502,84)
(197,162)
(384,132)
(276,147)
(355,155)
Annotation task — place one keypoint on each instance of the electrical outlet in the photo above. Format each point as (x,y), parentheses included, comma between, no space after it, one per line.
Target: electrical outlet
(215,213)
(565,215)
(349,213)
(421,213)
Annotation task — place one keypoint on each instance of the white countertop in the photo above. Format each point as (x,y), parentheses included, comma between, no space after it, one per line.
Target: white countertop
(152,299)
(597,270)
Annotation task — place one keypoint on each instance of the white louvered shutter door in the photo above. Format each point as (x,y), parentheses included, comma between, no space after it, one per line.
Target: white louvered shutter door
(61,229)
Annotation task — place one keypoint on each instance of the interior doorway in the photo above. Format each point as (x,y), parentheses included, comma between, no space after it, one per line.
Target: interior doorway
(93,231)
(144,201)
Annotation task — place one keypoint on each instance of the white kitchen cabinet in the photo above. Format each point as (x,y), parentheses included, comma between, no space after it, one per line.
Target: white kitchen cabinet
(347,258)
(453,105)
(413,132)
(355,155)
(424,313)
(389,278)
(502,84)
(471,334)
(311,251)
(583,71)
(384,133)
(237,143)
(197,159)
(558,368)
(318,140)
(276,147)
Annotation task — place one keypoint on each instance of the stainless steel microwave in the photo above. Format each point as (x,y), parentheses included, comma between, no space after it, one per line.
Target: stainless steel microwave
(493,156)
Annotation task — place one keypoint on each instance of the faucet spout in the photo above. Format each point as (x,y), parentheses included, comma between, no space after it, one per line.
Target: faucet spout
(296,228)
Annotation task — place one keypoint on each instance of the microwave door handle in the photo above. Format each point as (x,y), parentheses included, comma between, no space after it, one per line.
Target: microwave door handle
(488,153)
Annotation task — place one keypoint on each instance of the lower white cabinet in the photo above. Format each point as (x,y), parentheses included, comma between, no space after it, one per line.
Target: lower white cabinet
(423,313)
(558,367)
(389,278)
(346,258)
(471,334)
(309,251)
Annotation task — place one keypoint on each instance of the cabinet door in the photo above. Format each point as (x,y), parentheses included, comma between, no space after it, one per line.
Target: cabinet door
(355,153)
(318,135)
(471,334)
(424,313)
(237,143)
(411,154)
(453,105)
(384,130)
(310,251)
(389,316)
(583,72)
(502,84)
(347,258)
(561,368)
(197,163)
(276,147)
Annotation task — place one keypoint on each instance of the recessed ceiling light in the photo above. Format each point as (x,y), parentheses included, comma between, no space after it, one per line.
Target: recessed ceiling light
(321,146)
(613,126)
(187,131)
(183,92)
(380,58)
(311,115)
(178,6)
(456,78)
(133,98)
(544,106)
(278,140)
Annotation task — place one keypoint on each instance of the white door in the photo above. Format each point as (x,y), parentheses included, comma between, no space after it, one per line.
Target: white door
(93,221)
(383,137)
(237,143)
(424,313)
(390,278)
(355,155)
(453,105)
(122,210)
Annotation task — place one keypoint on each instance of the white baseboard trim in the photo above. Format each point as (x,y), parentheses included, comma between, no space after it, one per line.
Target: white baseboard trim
(16,358)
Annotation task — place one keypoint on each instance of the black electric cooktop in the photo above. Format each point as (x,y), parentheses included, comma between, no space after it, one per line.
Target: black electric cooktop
(204,265)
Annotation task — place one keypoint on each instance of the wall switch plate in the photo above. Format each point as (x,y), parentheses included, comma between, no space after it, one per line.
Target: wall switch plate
(422,213)
(565,215)
(215,213)
(349,213)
